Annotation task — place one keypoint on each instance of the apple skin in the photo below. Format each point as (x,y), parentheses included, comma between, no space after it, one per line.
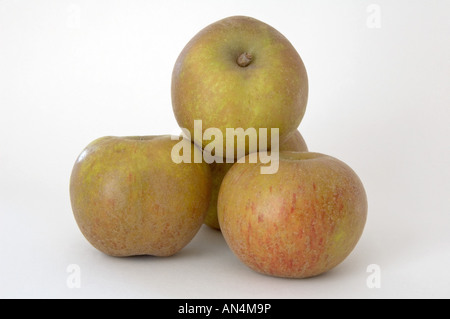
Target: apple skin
(298,223)
(129,198)
(294,142)
(218,172)
(209,84)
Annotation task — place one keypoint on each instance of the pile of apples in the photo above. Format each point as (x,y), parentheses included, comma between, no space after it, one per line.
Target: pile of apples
(129,197)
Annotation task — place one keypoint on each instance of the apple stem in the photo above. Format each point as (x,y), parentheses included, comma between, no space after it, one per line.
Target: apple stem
(244,59)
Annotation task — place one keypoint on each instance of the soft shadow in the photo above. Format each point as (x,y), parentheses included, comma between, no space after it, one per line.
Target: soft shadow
(206,242)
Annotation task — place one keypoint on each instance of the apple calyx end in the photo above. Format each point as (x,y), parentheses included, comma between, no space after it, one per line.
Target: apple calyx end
(244,60)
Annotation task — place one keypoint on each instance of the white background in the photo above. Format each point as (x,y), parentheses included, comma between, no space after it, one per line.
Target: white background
(73,71)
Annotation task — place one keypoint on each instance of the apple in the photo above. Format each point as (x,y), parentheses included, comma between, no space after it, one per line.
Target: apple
(218,172)
(239,73)
(294,142)
(300,222)
(130,198)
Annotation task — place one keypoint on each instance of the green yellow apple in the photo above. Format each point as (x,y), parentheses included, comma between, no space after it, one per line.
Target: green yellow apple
(239,72)
(130,198)
(294,142)
(300,222)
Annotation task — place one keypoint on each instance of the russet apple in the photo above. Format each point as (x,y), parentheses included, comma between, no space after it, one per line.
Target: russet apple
(129,197)
(294,142)
(300,222)
(239,73)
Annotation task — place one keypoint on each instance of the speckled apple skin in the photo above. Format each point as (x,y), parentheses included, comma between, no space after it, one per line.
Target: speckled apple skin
(298,223)
(294,142)
(208,84)
(129,198)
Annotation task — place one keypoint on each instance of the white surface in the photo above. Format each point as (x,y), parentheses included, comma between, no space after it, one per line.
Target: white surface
(72,71)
